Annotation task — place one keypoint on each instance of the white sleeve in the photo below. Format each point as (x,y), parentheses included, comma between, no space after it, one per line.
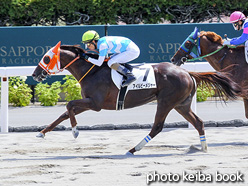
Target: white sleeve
(98,61)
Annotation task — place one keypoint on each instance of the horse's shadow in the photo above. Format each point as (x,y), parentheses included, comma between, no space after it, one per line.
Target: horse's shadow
(124,156)
(184,150)
(227,144)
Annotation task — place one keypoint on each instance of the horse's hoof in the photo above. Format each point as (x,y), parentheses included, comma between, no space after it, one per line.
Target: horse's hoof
(40,135)
(75,133)
(204,150)
(129,154)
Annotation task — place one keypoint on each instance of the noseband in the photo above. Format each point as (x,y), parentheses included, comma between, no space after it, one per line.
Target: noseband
(44,74)
(185,58)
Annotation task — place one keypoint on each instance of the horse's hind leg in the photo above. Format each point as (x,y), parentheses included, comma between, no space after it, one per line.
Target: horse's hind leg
(161,114)
(190,116)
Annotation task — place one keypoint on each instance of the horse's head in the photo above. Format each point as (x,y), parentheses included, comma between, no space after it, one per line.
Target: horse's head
(188,50)
(59,58)
(49,64)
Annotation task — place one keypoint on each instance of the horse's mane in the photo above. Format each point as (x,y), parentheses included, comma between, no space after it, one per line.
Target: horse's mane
(73,48)
(78,50)
(212,36)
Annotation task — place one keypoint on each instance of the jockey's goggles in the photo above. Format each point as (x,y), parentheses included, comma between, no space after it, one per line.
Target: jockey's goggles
(87,42)
(236,24)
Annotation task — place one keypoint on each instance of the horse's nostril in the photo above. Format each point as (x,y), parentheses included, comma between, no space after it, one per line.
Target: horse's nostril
(172,59)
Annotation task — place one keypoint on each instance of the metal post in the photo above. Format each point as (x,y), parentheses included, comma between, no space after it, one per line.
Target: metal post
(193,108)
(194,99)
(4,122)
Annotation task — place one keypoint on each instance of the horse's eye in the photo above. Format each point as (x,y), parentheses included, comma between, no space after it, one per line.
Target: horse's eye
(187,45)
(46,59)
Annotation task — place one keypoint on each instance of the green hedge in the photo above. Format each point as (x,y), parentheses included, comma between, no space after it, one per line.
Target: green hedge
(48,95)
(57,12)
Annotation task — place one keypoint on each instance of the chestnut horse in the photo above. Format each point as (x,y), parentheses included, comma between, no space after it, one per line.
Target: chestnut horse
(175,89)
(208,45)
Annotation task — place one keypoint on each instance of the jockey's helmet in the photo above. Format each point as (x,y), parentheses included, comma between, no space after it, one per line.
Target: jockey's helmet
(90,36)
(236,16)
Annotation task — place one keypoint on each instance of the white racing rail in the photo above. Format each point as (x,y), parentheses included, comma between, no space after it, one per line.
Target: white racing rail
(6,72)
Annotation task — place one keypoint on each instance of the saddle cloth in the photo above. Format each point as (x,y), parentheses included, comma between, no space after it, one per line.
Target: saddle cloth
(144,74)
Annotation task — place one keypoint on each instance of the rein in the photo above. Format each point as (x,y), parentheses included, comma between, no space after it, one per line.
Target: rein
(54,59)
(73,62)
(89,69)
(207,55)
(86,73)
(70,63)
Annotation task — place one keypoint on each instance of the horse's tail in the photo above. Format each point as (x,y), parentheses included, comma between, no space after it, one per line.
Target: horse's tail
(223,86)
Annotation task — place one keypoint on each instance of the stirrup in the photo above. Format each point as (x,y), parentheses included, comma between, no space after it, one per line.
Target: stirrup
(128,81)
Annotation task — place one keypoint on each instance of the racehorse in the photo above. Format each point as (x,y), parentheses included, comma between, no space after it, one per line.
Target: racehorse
(208,45)
(175,89)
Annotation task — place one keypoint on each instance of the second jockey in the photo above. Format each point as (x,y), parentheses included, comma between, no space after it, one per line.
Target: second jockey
(239,22)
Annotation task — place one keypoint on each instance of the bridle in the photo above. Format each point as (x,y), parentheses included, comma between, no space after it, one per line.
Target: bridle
(189,54)
(197,55)
(186,58)
(46,73)
(50,63)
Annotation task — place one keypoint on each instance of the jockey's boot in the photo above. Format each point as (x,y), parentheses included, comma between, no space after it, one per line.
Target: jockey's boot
(125,72)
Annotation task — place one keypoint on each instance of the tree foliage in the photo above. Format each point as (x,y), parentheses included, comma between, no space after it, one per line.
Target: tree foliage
(66,12)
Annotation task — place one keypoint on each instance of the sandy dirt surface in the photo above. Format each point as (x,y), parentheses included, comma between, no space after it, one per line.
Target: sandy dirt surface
(97,158)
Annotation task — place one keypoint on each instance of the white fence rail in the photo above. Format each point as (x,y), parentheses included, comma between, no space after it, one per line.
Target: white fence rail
(6,72)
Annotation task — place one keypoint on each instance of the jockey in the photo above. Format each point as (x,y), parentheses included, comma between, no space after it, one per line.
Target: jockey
(122,48)
(239,21)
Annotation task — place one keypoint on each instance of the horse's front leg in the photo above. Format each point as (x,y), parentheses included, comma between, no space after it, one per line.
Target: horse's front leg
(77,106)
(50,127)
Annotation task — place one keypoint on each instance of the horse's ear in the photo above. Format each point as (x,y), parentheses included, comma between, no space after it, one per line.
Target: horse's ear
(56,48)
(195,33)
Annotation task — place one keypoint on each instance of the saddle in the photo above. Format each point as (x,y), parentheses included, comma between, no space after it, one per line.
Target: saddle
(145,80)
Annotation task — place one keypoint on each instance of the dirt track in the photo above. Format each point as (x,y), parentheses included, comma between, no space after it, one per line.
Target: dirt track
(97,157)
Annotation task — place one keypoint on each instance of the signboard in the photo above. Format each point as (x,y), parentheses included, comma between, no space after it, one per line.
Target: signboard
(25,46)
(158,43)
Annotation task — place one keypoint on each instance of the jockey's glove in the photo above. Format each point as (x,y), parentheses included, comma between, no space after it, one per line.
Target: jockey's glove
(226,42)
(85,56)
